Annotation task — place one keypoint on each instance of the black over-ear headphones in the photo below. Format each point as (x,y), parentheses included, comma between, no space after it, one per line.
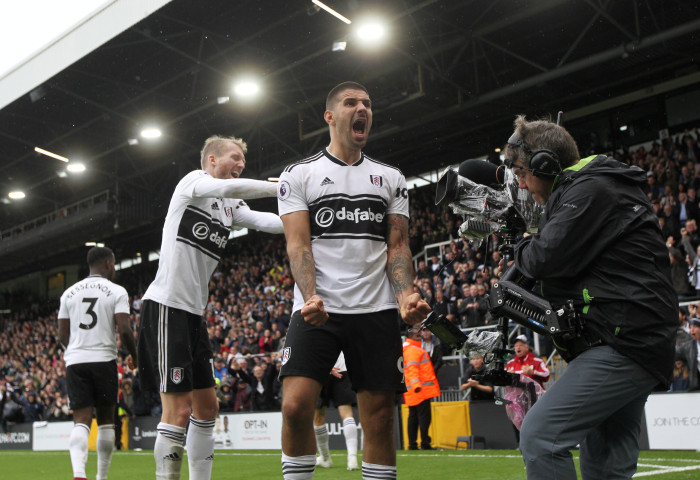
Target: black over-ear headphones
(543,163)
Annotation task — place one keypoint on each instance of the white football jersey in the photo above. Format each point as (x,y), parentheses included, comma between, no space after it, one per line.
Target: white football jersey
(91,305)
(195,234)
(347,207)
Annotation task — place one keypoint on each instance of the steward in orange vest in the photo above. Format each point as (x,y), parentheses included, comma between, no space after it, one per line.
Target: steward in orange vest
(422,385)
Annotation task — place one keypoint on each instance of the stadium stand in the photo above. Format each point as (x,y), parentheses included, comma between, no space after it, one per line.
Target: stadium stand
(251,292)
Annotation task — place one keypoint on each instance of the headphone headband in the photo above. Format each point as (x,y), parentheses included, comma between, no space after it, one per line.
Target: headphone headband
(542,163)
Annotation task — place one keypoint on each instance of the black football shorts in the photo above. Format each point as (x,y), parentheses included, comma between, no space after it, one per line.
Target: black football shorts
(92,384)
(371,343)
(174,350)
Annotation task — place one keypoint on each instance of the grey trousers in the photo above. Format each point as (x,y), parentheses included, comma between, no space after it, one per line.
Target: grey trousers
(598,403)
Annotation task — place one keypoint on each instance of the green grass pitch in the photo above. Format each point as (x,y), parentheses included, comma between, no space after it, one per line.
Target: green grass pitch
(254,465)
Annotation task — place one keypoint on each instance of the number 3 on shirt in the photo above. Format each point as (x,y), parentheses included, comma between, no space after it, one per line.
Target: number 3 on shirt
(90,311)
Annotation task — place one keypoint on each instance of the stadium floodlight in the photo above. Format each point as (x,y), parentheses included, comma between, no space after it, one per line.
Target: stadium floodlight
(90,244)
(623,128)
(151,132)
(222,100)
(246,89)
(331,11)
(371,32)
(132,141)
(339,46)
(16,195)
(51,154)
(76,167)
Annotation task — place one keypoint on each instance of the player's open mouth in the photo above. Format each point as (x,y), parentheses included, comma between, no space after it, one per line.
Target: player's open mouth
(359,126)
(235,174)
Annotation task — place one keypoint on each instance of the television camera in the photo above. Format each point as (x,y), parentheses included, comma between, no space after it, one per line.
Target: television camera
(490,202)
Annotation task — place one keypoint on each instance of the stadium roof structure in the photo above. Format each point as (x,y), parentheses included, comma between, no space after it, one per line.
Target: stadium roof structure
(446,86)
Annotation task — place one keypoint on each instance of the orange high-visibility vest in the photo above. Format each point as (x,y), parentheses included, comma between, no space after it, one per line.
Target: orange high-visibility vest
(418,373)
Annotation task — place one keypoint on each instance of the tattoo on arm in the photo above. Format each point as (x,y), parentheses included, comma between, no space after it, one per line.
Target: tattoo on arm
(301,261)
(399,267)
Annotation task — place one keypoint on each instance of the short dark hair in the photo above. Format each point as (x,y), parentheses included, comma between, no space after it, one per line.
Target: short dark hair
(99,254)
(332,97)
(539,135)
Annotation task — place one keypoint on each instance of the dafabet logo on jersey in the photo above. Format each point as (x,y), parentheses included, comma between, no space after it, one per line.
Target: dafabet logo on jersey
(326,215)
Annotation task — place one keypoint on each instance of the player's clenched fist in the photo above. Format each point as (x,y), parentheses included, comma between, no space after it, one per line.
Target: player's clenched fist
(314,312)
(414,309)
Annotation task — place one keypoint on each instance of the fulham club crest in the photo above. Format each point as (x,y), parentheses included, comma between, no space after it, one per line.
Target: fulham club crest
(228,211)
(376,180)
(176,375)
(286,353)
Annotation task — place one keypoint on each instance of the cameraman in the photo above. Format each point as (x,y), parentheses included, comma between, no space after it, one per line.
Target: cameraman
(599,244)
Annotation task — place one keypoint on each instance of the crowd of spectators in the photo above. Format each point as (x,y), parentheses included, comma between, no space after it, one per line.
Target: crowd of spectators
(252,290)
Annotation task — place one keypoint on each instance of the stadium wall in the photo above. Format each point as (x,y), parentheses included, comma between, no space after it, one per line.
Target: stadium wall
(672,422)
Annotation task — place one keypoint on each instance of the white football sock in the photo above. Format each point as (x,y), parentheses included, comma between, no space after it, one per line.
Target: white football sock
(168,451)
(105,447)
(298,468)
(372,471)
(200,448)
(79,449)
(322,441)
(350,433)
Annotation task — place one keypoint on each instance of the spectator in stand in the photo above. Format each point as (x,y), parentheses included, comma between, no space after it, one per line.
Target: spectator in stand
(691,148)
(689,354)
(672,222)
(226,396)
(265,342)
(440,304)
(693,200)
(686,209)
(479,390)
(690,240)
(683,333)
(242,399)
(435,264)
(472,307)
(59,410)
(32,408)
(653,190)
(432,345)
(262,396)
(526,363)
(681,376)
(679,271)
(220,370)
(423,272)
(665,228)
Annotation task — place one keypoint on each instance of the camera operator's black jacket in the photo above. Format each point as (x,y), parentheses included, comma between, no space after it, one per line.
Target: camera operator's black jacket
(599,244)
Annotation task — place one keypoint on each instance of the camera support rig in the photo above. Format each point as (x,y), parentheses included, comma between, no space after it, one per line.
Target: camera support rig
(510,298)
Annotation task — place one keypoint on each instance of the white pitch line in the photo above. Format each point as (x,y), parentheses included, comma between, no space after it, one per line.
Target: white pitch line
(666,470)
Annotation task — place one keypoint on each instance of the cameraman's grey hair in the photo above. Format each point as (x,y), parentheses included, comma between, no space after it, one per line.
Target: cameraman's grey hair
(543,134)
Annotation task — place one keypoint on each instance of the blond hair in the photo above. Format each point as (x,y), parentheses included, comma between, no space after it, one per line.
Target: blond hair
(216,145)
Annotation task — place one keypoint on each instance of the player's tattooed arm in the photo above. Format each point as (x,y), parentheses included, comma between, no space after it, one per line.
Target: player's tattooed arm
(399,267)
(301,261)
